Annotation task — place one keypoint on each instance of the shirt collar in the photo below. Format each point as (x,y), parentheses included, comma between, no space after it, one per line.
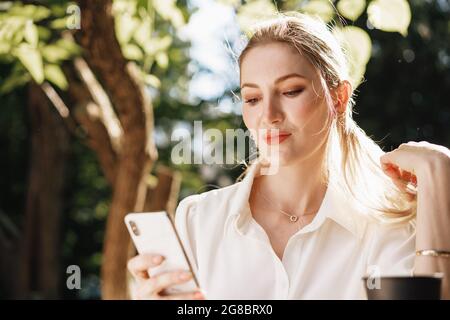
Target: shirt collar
(335,206)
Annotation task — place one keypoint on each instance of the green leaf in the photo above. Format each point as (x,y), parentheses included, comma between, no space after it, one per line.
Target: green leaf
(154,45)
(62,49)
(358,47)
(69,45)
(18,77)
(253,12)
(125,26)
(18,36)
(12,83)
(35,13)
(351,9)
(54,53)
(44,33)
(143,32)
(168,10)
(390,15)
(132,52)
(5,47)
(124,7)
(162,60)
(31,60)
(55,75)
(59,24)
(148,63)
(233,3)
(321,8)
(12,30)
(31,33)
(152,80)
(58,10)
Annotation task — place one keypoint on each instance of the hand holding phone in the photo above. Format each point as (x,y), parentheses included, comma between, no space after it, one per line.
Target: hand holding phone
(161,269)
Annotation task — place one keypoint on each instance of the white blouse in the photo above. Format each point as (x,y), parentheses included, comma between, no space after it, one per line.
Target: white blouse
(232,257)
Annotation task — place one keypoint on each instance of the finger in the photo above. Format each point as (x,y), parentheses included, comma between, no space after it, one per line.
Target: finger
(405,187)
(409,178)
(400,184)
(388,165)
(400,158)
(194,295)
(410,181)
(407,182)
(411,197)
(406,175)
(139,265)
(392,171)
(164,280)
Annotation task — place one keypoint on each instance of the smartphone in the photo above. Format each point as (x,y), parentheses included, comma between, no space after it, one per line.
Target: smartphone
(155,233)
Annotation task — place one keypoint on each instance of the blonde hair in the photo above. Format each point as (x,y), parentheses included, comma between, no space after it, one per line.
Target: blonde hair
(352,158)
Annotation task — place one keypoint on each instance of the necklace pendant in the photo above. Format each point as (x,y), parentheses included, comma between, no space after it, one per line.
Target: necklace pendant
(293,218)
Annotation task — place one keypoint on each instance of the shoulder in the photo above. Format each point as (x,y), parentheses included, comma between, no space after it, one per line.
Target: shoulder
(216,196)
(384,234)
(213,204)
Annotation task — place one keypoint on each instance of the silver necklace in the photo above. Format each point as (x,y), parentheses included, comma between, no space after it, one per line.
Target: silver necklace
(292,218)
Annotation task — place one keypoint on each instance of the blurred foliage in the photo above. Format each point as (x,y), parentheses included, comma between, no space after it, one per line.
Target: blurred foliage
(30,40)
(33,48)
(402,96)
(386,15)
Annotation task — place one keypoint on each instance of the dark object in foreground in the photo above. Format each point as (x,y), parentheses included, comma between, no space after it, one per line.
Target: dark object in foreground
(404,288)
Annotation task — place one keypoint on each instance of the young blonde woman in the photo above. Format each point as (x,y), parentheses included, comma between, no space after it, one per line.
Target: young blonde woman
(337,208)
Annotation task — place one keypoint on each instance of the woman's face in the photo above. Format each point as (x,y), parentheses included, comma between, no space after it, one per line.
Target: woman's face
(281,90)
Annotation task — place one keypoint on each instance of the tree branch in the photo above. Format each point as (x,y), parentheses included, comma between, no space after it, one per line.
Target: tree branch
(61,108)
(89,115)
(100,97)
(104,54)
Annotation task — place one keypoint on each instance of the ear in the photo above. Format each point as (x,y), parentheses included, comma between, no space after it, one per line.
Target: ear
(341,95)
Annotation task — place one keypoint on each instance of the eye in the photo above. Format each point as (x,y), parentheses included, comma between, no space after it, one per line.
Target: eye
(293,93)
(252,101)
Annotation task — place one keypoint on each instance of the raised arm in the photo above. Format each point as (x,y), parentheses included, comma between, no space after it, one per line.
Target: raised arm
(428,165)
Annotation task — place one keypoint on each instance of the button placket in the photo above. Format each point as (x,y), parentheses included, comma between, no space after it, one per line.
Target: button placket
(256,232)
(291,260)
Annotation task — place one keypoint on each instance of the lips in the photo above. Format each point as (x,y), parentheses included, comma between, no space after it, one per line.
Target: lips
(276,138)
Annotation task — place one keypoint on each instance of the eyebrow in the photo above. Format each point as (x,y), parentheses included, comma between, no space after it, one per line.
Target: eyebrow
(282,78)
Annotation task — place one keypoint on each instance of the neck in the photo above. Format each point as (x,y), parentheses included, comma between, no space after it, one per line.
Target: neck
(297,188)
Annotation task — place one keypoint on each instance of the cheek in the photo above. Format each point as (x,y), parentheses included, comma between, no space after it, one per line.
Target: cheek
(310,117)
(301,110)
(249,117)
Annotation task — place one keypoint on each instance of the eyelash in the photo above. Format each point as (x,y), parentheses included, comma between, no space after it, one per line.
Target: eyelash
(294,92)
(289,94)
(249,101)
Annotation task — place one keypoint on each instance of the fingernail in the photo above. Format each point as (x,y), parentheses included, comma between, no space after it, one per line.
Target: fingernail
(157,259)
(185,275)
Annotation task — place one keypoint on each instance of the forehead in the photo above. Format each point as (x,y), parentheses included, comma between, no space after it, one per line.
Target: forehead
(270,61)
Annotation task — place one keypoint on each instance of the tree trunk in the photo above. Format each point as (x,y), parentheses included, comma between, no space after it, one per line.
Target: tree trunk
(40,251)
(137,151)
(9,252)
(165,195)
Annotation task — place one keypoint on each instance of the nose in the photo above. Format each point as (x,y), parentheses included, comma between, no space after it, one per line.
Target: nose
(271,112)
